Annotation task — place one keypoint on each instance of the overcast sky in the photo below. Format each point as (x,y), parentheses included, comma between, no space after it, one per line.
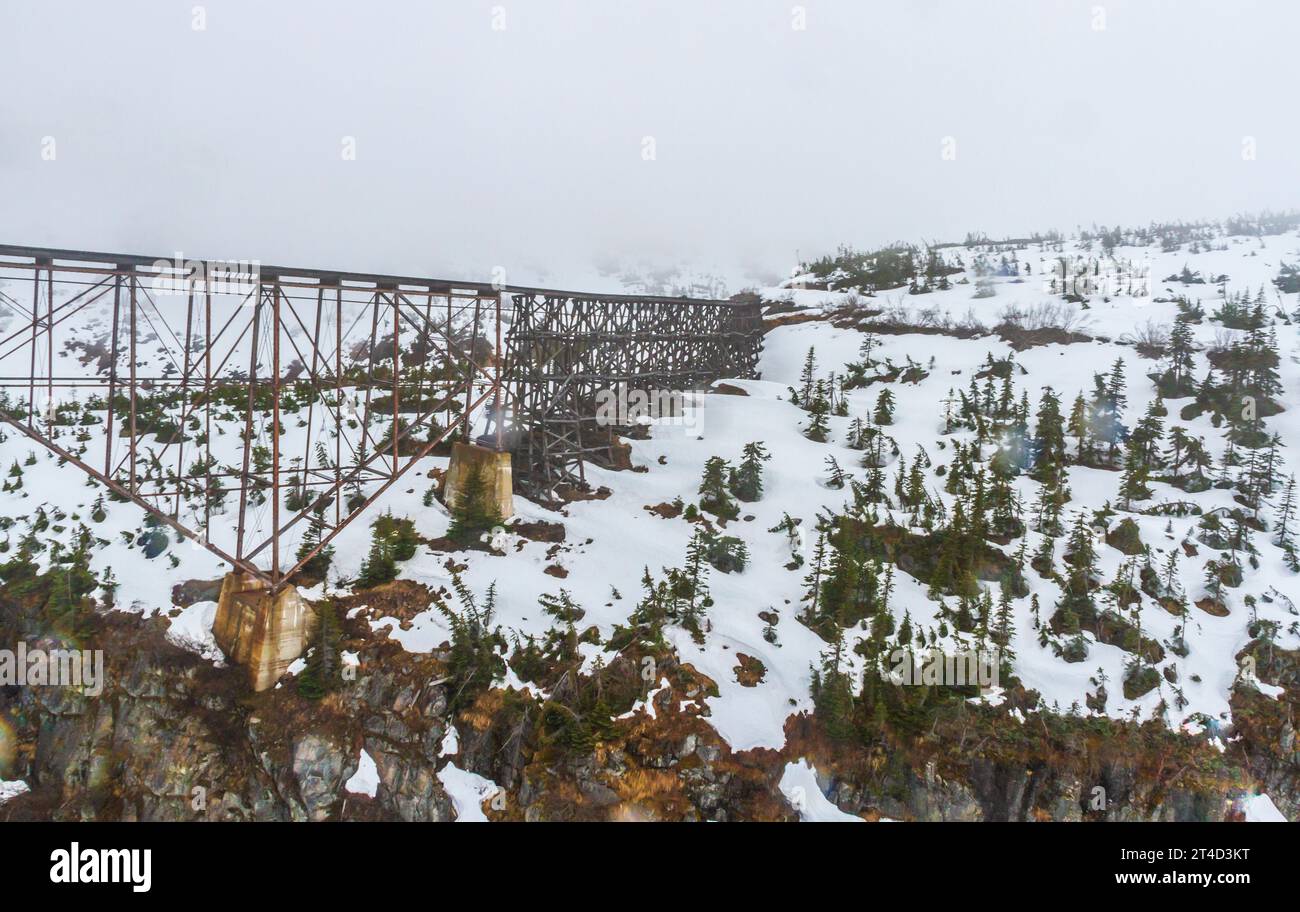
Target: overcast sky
(536,133)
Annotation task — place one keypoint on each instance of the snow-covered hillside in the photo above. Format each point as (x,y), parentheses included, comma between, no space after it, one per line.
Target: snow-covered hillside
(610,543)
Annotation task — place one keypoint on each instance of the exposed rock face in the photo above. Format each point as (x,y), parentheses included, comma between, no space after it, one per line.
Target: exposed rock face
(173,738)
(160,743)
(319,770)
(987,767)
(1011,792)
(404,720)
(670,766)
(1266,726)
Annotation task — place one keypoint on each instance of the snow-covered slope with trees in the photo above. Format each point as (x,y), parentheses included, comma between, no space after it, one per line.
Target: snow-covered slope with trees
(1075,454)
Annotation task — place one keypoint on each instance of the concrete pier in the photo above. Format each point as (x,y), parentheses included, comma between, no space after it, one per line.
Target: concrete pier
(496,475)
(262,632)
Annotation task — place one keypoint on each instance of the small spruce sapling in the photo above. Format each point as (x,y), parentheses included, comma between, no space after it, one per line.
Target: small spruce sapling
(747,479)
(715,497)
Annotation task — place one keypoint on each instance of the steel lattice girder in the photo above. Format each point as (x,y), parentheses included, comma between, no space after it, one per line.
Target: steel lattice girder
(281,339)
(434,346)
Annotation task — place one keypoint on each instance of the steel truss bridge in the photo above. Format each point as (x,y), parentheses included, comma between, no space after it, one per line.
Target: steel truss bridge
(251,407)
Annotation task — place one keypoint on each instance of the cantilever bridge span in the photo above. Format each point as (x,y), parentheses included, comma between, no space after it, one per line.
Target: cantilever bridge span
(258,410)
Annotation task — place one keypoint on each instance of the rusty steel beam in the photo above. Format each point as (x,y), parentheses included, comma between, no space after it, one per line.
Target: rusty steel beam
(332,278)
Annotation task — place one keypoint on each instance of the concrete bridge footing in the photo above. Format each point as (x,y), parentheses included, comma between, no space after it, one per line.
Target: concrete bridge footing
(263,632)
(496,474)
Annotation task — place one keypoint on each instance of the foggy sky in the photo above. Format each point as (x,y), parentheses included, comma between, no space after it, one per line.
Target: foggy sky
(524,146)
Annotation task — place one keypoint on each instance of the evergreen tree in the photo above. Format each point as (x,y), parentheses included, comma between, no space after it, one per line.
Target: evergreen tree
(1284,536)
(866,347)
(108,585)
(474,660)
(839,403)
(790,526)
(318,566)
(379,567)
(1044,559)
(400,535)
(324,671)
(884,414)
(819,408)
(747,479)
(1147,435)
(474,512)
(836,476)
(1104,414)
(856,435)
(850,586)
(832,692)
(1049,439)
(1004,625)
(727,553)
(715,497)
(1213,578)
(813,581)
(1133,483)
(807,377)
(1116,396)
(564,610)
(70,585)
(651,614)
(1076,603)
(696,598)
(1177,380)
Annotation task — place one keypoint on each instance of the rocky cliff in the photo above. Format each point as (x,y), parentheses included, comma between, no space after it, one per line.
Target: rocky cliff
(172,737)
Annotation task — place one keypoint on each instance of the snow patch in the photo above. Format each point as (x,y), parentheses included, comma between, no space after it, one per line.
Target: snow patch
(192,630)
(1261,809)
(467,791)
(799,785)
(365,781)
(12,788)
